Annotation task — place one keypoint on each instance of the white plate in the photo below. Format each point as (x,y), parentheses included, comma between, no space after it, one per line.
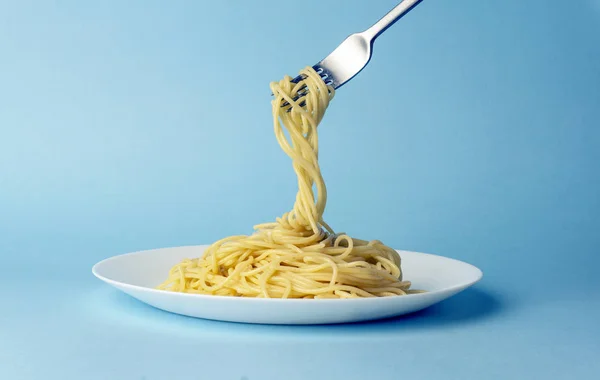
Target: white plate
(138,273)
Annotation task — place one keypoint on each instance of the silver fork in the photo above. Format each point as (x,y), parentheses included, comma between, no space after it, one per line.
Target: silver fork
(352,55)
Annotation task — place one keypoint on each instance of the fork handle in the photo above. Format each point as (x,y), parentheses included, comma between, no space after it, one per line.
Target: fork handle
(390,18)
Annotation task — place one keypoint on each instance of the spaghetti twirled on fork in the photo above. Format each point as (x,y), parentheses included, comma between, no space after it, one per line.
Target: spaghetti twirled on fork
(298,255)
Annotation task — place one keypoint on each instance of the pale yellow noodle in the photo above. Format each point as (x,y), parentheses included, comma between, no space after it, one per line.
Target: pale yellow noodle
(298,255)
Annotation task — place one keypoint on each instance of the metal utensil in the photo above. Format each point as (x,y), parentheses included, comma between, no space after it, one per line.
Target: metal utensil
(352,55)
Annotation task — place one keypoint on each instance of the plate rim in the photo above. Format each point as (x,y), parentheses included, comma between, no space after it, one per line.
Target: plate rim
(275,300)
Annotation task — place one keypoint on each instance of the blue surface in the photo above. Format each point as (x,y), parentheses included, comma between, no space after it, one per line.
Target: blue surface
(474,133)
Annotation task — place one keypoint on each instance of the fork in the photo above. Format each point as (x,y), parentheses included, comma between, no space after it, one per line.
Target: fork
(354,53)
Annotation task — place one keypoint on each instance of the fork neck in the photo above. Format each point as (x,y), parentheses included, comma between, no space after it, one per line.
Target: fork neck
(389,19)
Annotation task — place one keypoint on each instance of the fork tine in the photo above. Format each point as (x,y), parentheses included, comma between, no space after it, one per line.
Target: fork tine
(303,90)
(298,78)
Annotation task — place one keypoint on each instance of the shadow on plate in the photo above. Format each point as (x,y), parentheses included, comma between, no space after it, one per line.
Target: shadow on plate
(469,307)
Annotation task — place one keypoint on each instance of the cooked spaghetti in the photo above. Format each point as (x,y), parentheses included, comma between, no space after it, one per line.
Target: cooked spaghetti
(298,255)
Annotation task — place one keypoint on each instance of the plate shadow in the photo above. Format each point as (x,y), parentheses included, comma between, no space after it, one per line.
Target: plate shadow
(471,306)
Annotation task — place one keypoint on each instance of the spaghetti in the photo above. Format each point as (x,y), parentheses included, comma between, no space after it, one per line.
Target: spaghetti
(298,255)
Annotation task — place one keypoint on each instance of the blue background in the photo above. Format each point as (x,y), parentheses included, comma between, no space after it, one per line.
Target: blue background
(474,133)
